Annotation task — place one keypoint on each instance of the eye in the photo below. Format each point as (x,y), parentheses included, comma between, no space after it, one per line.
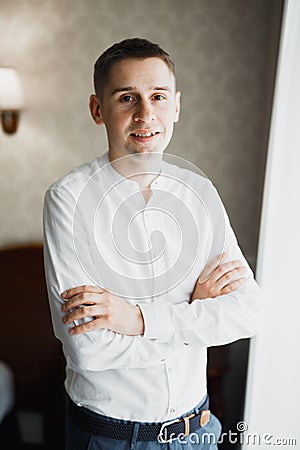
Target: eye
(126,98)
(159,97)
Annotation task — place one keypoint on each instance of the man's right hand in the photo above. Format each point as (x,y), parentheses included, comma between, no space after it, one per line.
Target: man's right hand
(219,278)
(108,311)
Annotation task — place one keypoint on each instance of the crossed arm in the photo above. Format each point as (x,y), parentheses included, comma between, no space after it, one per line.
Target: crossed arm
(111,312)
(114,333)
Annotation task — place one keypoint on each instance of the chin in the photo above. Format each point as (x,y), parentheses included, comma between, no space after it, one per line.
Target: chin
(145,150)
(148,154)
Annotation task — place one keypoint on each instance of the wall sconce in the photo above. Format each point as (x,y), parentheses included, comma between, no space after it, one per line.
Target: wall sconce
(11,99)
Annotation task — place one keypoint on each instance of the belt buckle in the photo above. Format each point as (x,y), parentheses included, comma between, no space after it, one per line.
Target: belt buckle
(160,435)
(185,419)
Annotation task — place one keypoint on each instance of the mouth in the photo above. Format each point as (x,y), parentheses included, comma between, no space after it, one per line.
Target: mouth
(144,136)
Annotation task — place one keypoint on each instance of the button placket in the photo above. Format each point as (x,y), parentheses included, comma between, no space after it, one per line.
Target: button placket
(172,388)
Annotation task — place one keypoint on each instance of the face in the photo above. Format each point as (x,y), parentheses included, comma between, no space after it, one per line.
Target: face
(139,107)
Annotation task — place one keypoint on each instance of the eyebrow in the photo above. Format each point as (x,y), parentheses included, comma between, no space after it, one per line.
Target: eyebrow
(133,88)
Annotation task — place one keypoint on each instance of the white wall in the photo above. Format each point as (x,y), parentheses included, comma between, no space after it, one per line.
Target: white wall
(273,392)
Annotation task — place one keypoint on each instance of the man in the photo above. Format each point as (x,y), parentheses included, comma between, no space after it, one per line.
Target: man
(126,238)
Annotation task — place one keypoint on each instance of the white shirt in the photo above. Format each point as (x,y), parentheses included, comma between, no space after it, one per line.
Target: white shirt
(99,230)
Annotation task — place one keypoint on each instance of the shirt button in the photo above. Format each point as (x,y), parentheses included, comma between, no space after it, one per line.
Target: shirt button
(172,410)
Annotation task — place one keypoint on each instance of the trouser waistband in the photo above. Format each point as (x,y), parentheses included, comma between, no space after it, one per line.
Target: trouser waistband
(106,427)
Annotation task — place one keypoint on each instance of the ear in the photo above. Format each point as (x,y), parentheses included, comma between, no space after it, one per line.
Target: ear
(95,109)
(177,106)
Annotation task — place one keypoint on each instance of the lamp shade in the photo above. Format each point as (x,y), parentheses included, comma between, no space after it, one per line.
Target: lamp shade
(11,97)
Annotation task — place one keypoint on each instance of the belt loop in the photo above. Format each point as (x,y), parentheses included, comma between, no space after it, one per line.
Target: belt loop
(200,406)
(134,435)
(197,409)
(186,426)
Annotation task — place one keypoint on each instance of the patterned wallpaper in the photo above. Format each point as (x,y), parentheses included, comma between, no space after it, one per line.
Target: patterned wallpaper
(225,52)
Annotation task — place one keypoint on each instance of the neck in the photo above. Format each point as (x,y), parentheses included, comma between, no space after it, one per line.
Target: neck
(142,168)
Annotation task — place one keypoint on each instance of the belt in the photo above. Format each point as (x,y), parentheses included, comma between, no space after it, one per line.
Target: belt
(123,430)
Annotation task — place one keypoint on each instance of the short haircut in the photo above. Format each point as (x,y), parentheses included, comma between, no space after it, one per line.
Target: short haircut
(126,49)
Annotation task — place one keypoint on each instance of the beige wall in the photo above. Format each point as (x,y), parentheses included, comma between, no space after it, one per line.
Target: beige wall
(222,50)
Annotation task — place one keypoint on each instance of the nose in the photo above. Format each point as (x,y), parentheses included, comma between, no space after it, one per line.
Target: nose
(144,112)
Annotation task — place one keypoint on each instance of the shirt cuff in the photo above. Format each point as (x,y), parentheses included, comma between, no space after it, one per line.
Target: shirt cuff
(158,322)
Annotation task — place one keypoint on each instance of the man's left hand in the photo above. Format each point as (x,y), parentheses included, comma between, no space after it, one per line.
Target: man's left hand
(108,311)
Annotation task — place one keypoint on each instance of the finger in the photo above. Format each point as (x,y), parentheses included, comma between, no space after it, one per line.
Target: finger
(81,313)
(81,299)
(96,324)
(230,276)
(211,266)
(81,289)
(234,285)
(225,268)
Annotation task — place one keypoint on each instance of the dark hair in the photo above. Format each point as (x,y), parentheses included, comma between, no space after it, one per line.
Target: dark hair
(128,48)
